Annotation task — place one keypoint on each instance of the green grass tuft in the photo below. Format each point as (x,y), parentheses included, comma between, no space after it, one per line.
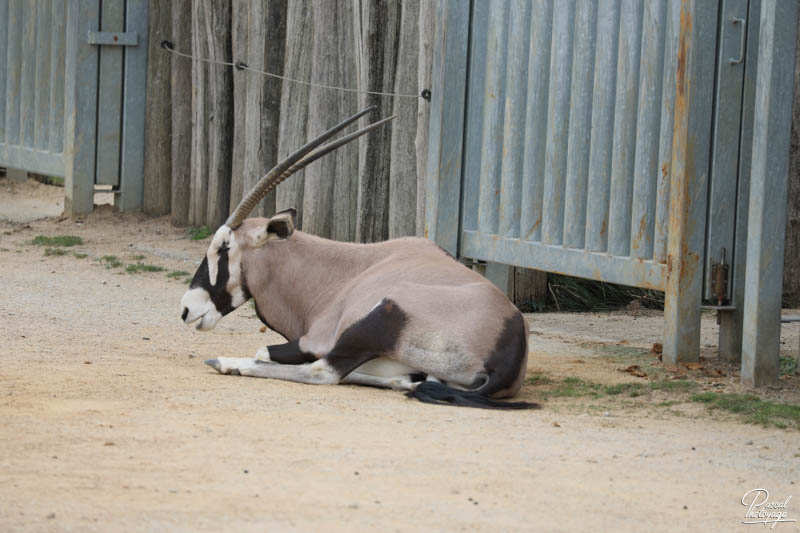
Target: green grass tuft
(139,257)
(59,240)
(111,261)
(788,366)
(752,409)
(539,379)
(142,267)
(177,274)
(198,234)
(54,251)
(80,255)
(574,388)
(633,389)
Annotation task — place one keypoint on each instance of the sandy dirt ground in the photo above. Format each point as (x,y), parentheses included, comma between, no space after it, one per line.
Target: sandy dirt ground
(110,421)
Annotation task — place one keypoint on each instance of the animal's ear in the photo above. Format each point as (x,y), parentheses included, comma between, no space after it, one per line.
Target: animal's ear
(282,224)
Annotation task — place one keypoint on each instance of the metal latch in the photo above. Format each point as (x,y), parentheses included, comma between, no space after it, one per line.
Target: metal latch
(114,38)
(719,280)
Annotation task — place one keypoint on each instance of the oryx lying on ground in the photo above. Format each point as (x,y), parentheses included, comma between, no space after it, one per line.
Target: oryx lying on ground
(399,314)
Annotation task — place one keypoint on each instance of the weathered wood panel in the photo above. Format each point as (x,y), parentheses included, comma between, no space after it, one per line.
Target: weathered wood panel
(403,163)
(265,51)
(377,39)
(324,187)
(157,193)
(199,172)
(181,99)
(424,64)
(220,111)
(294,102)
(240,37)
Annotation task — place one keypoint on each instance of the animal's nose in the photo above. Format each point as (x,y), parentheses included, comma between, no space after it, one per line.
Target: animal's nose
(185,313)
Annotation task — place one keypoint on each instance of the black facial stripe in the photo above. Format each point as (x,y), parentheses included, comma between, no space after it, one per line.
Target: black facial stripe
(218,292)
(185,314)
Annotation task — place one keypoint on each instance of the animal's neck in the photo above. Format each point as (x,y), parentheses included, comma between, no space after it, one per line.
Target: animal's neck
(293,278)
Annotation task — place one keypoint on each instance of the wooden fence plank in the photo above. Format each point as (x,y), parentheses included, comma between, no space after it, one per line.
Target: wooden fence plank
(403,164)
(377,35)
(294,102)
(157,191)
(181,99)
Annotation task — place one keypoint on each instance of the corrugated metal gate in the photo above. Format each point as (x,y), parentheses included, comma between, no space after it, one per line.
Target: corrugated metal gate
(72,94)
(578,137)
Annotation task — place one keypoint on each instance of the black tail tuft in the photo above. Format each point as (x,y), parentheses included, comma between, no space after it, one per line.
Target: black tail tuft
(439,394)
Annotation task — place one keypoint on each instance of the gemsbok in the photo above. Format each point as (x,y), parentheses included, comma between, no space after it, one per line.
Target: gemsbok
(400,314)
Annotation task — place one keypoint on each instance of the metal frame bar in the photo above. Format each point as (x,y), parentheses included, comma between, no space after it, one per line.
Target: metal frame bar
(131,172)
(449,82)
(768,183)
(689,181)
(80,107)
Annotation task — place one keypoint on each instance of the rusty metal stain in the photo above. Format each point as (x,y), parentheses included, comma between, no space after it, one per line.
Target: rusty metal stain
(637,240)
(685,35)
(604,227)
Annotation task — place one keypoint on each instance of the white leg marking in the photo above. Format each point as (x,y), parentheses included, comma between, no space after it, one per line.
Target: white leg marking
(396,382)
(316,373)
(263,354)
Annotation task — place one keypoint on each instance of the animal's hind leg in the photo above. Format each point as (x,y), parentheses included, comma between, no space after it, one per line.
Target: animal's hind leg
(373,336)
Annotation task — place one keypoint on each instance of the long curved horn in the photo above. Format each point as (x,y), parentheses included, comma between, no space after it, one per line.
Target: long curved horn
(267,182)
(328,148)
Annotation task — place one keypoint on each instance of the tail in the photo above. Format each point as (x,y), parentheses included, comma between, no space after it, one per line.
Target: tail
(440,394)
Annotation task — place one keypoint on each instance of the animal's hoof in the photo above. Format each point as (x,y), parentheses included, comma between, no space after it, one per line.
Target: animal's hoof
(214,363)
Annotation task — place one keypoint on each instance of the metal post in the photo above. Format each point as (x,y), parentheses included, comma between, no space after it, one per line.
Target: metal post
(767,211)
(689,180)
(133,109)
(449,81)
(80,107)
(730,322)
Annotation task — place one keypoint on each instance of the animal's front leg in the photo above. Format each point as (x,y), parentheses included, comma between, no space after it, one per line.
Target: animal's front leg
(287,354)
(317,373)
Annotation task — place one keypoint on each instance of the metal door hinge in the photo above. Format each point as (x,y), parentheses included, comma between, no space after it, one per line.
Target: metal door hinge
(114,38)
(719,280)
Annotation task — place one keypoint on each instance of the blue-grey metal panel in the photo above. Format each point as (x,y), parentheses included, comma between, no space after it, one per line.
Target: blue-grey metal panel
(555,167)
(725,139)
(3,68)
(133,108)
(14,71)
(58,48)
(536,119)
(645,168)
(772,123)
(493,107)
(473,136)
(28,75)
(630,38)
(665,139)
(598,129)
(601,143)
(448,79)
(43,48)
(514,129)
(109,96)
(580,126)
